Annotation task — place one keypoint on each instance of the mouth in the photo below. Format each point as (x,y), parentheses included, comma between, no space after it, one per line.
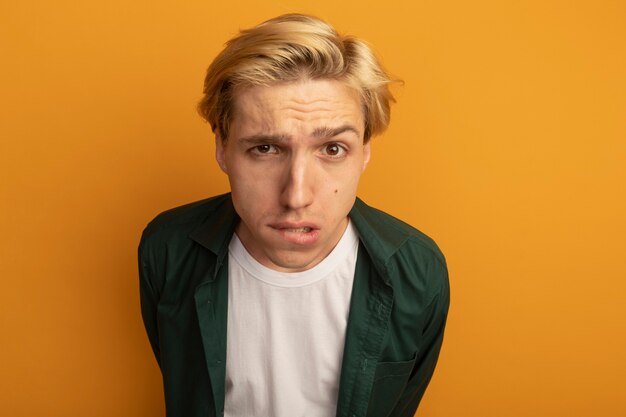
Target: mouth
(300,234)
(305,229)
(295,227)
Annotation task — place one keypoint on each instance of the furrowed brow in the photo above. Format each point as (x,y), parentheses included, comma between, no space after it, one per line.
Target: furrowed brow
(260,139)
(327,132)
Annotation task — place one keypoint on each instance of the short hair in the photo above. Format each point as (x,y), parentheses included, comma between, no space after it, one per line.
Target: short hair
(293,47)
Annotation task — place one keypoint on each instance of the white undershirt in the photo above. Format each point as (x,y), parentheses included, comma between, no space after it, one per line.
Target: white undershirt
(286,333)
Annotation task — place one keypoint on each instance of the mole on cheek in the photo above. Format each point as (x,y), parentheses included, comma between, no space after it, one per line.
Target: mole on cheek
(336,191)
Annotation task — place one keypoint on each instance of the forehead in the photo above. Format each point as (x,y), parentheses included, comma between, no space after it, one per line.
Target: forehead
(306,104)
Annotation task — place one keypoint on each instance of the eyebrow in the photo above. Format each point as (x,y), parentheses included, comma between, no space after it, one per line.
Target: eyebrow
(327,132)
(260,139)
(319,133)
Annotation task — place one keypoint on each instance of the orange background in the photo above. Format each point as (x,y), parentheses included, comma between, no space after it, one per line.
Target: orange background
(507,145)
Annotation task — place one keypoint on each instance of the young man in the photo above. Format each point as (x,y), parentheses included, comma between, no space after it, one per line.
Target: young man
(289,296)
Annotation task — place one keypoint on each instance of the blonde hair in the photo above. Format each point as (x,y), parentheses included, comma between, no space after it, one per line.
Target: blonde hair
(292,47)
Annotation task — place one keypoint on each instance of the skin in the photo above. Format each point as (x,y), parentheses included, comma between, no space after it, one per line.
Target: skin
(294,157)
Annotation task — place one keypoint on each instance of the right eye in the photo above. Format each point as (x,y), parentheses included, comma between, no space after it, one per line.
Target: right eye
(264,149)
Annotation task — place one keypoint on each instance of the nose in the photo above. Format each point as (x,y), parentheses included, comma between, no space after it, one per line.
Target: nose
(298,183)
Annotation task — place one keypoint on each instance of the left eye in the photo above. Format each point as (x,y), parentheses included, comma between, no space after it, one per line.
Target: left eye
(333,149)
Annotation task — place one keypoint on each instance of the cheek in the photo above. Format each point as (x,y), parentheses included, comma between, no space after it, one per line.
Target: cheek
(347,182)
(343,194)
(255,190)
(243,174)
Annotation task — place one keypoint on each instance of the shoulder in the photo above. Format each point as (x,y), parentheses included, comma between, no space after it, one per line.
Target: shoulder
(393,234)
(179,221)
(409,260)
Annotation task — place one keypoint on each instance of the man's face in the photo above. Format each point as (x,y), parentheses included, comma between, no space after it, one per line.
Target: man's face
(294,157)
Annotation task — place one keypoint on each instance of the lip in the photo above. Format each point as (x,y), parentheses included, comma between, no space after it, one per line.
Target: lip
(293,225)
(289,232)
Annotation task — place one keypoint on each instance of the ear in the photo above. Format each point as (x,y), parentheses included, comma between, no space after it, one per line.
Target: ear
(219,153)
(367,152)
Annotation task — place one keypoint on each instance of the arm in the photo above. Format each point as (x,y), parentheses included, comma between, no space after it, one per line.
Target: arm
(148,297)
(426,360)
